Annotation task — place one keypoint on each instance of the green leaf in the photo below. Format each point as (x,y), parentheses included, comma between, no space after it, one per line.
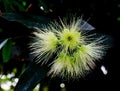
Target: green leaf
(7,51)
(3,43)
(29,21)
(33,75)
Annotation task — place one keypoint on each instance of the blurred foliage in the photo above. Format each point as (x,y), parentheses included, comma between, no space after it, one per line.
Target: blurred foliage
(9,81)
(13,5)
(16,25)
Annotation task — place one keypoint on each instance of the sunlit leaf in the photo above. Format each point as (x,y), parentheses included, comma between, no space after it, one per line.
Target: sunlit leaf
(7,51)
(3,43)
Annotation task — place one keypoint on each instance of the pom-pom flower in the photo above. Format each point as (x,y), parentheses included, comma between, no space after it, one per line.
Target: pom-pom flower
(74,51)
(45,45)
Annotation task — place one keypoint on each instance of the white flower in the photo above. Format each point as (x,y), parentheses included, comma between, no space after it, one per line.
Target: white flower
(44,45)
(76,51)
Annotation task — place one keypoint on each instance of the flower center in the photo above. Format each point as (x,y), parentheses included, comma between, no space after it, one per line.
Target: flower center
(69,38)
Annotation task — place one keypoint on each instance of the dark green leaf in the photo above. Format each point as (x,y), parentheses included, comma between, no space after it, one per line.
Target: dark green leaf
(7,51)
(31,77)
(29,21)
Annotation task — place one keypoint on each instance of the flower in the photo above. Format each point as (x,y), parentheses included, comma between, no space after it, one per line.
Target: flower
(44,45)
(75,52)
(70,38)
(79,63)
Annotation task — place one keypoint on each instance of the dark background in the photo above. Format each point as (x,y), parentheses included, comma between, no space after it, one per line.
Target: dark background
(103,15)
